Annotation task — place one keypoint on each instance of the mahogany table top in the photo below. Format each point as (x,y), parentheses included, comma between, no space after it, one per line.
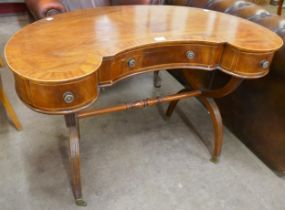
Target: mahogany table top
(72,45)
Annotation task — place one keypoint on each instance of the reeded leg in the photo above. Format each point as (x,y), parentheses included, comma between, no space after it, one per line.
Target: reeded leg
(156,79)
(9,109)
(74,158)
(213,109)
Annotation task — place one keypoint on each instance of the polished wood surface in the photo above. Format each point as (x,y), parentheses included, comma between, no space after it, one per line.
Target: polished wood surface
(139,104)
(257,107)
(71,46)
(90,47)
(60,63)
(80,46)
(74,157)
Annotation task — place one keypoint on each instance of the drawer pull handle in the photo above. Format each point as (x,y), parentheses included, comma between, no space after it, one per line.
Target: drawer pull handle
(68,97)
(190,54)
(264,64)
(132,63)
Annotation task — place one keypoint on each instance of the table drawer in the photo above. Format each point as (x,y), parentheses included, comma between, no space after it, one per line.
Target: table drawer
(194,55)
(155,58)
(246,64)
(58,98)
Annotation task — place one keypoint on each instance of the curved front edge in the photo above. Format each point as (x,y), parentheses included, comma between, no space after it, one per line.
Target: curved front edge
(74,95)
(58,98)
(159,56)
(205,56)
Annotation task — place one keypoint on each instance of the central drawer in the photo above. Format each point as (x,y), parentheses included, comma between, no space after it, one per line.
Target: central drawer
(163,57)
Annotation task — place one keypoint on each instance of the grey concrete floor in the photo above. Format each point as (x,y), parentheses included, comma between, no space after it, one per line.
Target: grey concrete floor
(135,160)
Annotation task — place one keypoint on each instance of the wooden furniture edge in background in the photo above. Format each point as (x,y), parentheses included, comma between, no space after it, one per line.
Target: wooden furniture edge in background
(280,7)
(7,105)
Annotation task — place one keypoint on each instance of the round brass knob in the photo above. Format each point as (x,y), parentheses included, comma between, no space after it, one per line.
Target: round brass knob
(190,54)
(132,63)
(68,97)
(264,64)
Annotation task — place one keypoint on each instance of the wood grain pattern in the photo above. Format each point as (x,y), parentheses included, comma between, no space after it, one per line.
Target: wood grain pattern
(74,157)
(49,98)
(100,42)
(78,52)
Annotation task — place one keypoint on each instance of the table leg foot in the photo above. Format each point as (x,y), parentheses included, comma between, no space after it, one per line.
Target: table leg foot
(156,79)
(216,118)
(214,112)
(80,202)
(215,159)
(74,158)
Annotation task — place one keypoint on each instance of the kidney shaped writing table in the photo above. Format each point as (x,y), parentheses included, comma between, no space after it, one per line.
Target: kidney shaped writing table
(60,63)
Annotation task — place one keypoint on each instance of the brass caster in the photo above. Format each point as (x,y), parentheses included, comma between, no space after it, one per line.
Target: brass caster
(215,159)
(80,202)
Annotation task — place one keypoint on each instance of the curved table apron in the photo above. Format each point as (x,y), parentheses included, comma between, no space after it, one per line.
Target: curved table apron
(60,63)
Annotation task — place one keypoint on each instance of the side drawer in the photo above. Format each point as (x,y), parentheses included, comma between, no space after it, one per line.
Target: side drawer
(58,98)
(246,64)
